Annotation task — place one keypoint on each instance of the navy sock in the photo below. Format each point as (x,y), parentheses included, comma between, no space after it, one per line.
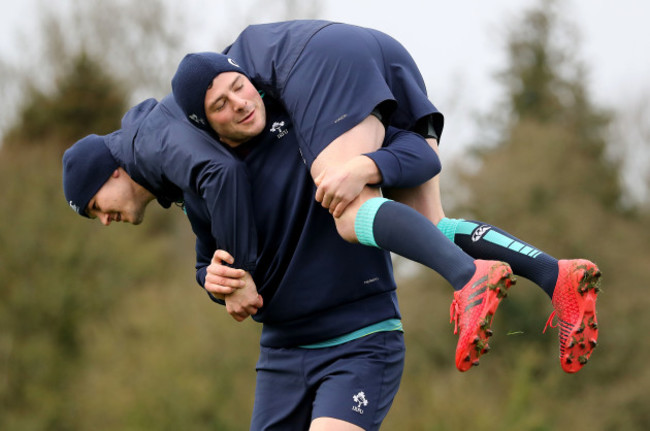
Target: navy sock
(483,241)
(400,229)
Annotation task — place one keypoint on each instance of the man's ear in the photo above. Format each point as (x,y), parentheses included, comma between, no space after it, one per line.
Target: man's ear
(116,173)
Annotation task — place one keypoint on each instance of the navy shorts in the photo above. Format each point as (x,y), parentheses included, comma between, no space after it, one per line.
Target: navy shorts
(355,382)
(351,71)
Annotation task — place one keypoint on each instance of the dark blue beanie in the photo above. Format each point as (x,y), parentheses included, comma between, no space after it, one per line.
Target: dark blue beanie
(87,165)
(194,75)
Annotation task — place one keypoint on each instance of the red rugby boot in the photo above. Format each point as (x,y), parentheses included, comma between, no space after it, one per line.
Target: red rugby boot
(473,308)
(574,299)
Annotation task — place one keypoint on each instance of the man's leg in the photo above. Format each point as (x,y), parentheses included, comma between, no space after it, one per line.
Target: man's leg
(402,230)
(371,220)
(478,239)
(572,284)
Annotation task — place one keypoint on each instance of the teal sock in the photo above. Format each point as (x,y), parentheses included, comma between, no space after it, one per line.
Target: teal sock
(449,226)
(364,222)
(483,241)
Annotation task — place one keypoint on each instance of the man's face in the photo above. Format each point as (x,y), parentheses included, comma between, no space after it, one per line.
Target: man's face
(119,199)
(234,109)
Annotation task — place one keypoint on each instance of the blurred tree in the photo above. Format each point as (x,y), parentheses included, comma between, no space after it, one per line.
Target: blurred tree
(55,279)
(137,43)
(85,100)
(546,84)
(546,178)
(105,329)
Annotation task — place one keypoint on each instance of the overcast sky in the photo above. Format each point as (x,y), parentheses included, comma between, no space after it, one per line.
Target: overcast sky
(460,38)
(467,36)
(458,44)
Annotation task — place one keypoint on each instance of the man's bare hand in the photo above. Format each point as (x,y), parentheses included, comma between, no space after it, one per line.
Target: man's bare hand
(233,285)
(221,279)
(244,302)
(338,186)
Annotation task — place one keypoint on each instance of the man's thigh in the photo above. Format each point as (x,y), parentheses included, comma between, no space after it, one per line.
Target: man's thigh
(365,137)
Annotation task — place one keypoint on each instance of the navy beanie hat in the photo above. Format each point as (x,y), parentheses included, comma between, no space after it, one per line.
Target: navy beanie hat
(87,165)
(194,75)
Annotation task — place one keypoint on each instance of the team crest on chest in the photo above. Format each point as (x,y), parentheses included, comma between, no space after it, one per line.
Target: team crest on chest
(279,129)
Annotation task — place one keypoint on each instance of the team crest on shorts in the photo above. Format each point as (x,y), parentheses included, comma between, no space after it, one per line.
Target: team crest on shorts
(361,401)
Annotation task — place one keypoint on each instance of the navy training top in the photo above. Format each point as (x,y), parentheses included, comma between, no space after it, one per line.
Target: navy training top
(260,203)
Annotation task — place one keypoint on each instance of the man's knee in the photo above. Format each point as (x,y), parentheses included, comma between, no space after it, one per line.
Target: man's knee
(345,223)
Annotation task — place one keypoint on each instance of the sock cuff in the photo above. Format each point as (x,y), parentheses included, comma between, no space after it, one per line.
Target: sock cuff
(449,226)
(365,220)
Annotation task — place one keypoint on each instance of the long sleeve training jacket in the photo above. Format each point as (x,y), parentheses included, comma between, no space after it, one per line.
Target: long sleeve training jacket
(259,202)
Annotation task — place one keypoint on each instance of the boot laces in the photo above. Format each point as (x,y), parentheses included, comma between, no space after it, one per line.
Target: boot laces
(549,322)
(454,314)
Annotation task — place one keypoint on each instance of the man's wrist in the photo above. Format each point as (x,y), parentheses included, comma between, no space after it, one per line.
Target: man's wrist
(370,170)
